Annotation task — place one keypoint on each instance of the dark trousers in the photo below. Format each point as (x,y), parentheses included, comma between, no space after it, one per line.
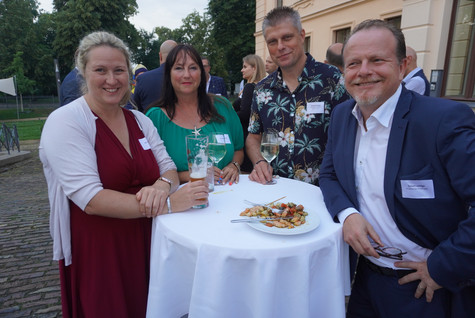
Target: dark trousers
(380,296)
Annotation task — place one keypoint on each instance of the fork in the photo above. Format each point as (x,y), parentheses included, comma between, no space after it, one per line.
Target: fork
(265,205)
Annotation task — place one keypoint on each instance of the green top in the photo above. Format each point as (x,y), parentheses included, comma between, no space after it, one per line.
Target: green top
(174,136)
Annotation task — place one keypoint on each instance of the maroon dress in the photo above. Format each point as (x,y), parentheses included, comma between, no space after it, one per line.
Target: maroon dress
(109,273)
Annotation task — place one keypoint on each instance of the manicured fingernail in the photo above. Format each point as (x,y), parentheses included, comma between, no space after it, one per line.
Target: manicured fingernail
(230,183)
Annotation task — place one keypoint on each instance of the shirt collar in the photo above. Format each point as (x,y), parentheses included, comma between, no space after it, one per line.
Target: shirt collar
(384,113)
(278,81)
(411,74)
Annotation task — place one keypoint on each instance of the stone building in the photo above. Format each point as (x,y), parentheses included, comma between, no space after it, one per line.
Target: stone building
(441,31)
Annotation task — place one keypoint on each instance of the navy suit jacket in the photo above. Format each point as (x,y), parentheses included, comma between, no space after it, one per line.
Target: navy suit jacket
(217,86)
(148,88)
(70,87)
(430,139)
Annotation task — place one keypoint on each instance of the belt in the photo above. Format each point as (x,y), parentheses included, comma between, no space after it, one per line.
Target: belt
(386,271)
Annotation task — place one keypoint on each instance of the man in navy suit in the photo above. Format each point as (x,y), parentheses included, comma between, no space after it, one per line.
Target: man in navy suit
(398,174)
(414,77)
(148,87)
(70,87)
(215,84)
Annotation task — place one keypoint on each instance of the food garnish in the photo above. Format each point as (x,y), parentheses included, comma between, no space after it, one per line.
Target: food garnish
(294,214)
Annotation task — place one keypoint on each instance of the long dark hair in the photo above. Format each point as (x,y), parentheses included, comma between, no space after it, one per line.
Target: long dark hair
(206,108)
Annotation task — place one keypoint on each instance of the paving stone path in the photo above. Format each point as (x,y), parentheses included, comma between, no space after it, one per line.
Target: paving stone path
(29,278)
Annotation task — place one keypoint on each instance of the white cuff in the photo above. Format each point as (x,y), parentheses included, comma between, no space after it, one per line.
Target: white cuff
(343,214)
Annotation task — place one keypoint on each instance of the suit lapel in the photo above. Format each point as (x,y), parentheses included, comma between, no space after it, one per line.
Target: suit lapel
(349,141)
(395,146)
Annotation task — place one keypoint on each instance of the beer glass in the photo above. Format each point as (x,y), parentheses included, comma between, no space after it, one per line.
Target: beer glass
(197,154)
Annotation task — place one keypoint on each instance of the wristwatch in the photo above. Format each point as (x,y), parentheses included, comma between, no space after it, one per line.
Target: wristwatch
(166,180)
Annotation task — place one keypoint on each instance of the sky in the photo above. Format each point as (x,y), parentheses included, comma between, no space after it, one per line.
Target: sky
(154,13)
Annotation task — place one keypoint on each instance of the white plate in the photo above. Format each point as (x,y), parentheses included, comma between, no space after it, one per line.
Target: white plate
(312,222)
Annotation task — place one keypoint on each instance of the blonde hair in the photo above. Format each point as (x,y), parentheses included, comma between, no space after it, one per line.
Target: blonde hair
(259,67)
(96,39)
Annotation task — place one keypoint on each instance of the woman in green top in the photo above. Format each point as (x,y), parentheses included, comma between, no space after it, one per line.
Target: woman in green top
(185,107)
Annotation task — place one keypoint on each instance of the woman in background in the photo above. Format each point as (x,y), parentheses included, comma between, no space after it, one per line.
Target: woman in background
(253,70)
(108,173)
(185,107)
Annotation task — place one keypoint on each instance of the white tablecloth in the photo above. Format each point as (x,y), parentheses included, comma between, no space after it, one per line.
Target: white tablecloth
(204,265)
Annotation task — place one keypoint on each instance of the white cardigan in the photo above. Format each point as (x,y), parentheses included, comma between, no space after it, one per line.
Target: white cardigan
(70,167)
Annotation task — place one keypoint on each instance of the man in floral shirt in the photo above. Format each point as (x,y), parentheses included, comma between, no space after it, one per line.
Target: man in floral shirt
(297,101)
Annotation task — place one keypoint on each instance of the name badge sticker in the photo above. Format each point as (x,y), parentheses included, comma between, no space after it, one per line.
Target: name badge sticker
(417,189)
(144,143)
(226,139)
(315,107)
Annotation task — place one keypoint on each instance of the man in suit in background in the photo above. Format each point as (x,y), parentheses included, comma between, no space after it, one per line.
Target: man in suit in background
(414,78)
(70,87)
(148,87)
(398,174)
(214,84)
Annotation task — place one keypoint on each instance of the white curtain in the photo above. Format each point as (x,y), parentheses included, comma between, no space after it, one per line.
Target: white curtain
(7,85)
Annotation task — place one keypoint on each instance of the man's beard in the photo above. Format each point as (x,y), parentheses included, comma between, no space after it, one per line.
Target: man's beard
(365,101)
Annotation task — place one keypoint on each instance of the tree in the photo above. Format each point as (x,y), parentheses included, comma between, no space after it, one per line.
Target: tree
(233,30)
(196,30)
(147,51)
(77,18)
(26,30)
(24,84)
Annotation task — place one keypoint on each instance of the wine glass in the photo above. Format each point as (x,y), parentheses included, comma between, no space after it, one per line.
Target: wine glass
(217,147)
(270,147)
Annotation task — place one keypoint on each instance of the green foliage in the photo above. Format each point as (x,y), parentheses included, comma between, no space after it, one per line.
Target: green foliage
(23,29)
(147,50)
(197,30)
(233,31)
(77,18)
(224,34)
(23,83)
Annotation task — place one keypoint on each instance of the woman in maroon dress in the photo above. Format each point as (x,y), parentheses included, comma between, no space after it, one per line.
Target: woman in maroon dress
(108,173)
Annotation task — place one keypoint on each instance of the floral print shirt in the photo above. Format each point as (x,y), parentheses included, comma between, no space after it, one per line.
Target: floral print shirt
(300,117)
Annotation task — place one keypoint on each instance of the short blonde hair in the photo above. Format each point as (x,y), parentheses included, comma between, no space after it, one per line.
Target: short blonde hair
(96,39)
(259,67)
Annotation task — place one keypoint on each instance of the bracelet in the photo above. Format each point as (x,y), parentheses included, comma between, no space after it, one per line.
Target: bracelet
(169,206)
(166,180)
(258,161)
(236,164)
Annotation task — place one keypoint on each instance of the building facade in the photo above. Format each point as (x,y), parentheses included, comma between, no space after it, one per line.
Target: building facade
(440,31)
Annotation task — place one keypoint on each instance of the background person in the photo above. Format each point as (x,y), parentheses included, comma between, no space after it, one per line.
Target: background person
(271,67)
(185,107)
(214,84)
(252,72)
(414,77)
(70,88)
(138,70)
(297,101)
(334,55)
(108,173)
(397,171)
(148,88)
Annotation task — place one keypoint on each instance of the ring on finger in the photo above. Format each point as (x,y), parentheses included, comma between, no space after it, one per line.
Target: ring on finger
(420,287)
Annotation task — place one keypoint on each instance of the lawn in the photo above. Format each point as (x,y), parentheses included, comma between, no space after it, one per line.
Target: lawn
(28,113)
(30,124)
